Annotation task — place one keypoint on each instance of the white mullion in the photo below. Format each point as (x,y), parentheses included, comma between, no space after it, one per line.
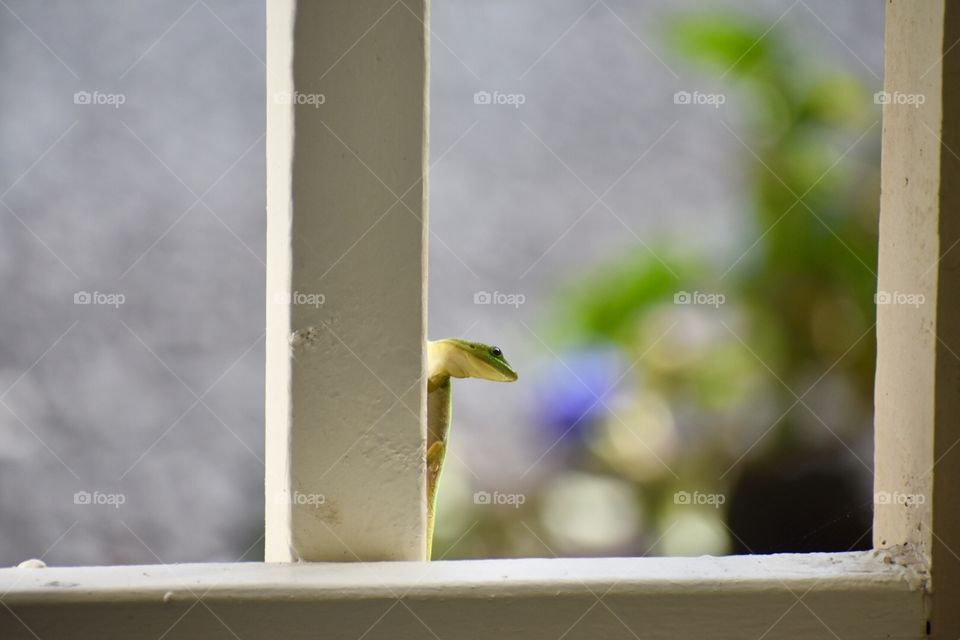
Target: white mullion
(346,266)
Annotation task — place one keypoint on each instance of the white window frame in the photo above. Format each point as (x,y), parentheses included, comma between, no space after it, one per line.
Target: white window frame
(354,367)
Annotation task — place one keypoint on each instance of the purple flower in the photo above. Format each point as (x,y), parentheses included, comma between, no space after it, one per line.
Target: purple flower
(571,393)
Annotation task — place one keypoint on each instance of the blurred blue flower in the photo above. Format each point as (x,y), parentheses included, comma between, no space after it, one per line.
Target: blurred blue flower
(570,394)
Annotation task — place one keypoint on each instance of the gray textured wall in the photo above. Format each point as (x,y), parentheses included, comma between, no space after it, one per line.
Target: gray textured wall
(162,200)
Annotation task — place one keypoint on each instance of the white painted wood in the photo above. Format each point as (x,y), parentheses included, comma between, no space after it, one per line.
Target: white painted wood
(851,596)
(346,315)
(918,355)
(280,18)
(909,249)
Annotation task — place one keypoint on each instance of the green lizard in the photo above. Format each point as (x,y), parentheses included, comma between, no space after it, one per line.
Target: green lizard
(452,358)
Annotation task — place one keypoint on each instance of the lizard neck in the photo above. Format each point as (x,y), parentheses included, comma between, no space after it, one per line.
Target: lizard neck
(446,360)
(439,410)
(436,381)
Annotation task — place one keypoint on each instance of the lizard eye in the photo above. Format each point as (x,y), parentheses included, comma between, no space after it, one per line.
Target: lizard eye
(495,352)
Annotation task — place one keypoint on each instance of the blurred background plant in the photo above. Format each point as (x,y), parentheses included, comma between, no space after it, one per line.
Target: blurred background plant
(704,406)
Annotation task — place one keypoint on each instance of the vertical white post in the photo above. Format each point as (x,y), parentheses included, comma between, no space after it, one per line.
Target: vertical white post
(918,333)
(346,299)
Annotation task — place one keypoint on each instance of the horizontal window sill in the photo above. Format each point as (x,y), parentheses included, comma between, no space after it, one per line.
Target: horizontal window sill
(851,595)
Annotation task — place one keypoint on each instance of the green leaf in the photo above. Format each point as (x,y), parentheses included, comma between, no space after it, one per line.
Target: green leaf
(724,40)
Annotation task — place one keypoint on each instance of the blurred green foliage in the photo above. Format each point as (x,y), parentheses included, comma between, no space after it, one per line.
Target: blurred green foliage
(705,382)
(810,137)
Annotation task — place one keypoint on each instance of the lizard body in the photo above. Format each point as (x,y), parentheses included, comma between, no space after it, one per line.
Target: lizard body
(452,358)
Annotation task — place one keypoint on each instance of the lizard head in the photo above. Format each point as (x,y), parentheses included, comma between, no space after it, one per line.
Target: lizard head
(464,359)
